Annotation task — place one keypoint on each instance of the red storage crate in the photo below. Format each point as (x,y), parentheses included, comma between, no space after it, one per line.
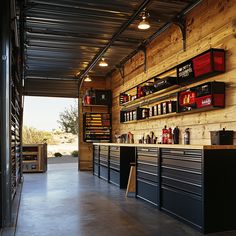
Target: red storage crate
(217,100)
(209,62)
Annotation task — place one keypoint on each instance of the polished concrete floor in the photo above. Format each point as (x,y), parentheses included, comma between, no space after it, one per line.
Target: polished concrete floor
(65,202)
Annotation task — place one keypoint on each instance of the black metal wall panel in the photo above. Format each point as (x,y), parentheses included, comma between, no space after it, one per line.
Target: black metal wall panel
(63,38)
(5,204)
(51,88)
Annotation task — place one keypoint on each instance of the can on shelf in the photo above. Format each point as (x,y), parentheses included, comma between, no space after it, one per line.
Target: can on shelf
(159,109)
(164,107)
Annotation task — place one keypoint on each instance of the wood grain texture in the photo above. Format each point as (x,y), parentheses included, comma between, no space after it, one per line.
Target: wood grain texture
(212,24)
(86,149)
(168,146)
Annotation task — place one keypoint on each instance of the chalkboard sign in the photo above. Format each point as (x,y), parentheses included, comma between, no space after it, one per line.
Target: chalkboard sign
(185,72)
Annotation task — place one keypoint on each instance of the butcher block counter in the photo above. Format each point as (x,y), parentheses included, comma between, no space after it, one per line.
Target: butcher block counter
(167,145)
(193,183)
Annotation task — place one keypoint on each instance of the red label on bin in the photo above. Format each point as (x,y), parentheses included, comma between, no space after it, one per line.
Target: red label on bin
(202,64)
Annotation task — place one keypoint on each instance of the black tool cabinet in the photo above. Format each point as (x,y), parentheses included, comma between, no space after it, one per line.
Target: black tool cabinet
(147,185)
(181,184)
(115,166)
(112,163)
(104,162)
(196,186)
(96,150)
(120,162)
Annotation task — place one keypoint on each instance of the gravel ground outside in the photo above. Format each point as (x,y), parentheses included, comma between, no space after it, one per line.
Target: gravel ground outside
(62,160)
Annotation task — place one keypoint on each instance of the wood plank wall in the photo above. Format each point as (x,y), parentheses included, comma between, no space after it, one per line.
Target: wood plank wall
(86,149)
(212,24)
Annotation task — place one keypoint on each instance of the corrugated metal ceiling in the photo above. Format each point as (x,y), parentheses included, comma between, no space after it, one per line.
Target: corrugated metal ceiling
(63,37)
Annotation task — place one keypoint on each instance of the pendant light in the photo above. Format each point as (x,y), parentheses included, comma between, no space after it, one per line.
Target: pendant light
(87,79)
(144,24)
(103,63)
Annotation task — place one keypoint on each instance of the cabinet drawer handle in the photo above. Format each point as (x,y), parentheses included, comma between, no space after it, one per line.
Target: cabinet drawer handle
(144,149)
(177,152)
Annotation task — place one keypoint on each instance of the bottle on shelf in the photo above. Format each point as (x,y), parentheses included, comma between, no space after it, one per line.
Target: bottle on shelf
(87,98)
(187,136)
(164,135)
(176,135)
(169,136)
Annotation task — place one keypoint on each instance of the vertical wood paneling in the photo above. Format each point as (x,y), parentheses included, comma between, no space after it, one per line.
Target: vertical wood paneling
(86,149)
(212,24)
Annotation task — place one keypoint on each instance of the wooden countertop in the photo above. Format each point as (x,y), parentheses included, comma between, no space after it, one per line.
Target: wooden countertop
(168,145)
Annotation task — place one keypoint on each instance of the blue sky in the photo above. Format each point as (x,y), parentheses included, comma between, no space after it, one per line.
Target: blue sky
(43,112)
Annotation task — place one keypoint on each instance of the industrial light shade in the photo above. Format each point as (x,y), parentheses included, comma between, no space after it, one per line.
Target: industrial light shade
(144,24)
(103,63)
(87,79)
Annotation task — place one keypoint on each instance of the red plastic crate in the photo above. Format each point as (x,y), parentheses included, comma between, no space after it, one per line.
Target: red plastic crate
(209,62)
(217,100)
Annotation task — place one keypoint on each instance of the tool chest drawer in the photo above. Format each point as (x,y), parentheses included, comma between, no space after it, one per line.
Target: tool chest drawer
(183,205)
(182,175)
(181,153)
(147,191)
(95,169)
(145,151)
(114,177)
(147,176)
(114,165)
(147,167)
(103,172)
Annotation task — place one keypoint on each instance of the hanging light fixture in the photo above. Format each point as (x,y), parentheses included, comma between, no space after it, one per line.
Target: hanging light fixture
(144,24)
(103,63)
(87,79)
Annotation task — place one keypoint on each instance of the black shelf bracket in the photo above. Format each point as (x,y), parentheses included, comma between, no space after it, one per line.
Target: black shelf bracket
(181,22)
(121,69)
(144,50)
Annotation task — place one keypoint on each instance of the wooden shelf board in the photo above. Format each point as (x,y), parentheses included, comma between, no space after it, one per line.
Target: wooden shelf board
(29,161)
(30,153)
(95,105)
(195,110)
(163,92)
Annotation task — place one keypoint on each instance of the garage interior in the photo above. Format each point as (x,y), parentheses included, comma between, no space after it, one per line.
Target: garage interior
(50,49)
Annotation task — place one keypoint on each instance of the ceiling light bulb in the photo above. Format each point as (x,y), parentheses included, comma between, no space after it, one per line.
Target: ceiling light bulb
(87,79)
(144,24)
(103,63)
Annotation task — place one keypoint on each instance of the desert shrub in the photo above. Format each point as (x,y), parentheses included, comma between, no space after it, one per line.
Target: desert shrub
(35,136)
(75,153)
(69,120)
(57,154)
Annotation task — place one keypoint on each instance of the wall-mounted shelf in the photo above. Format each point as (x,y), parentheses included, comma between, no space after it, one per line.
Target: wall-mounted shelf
(97,127)
(148,98)
(85,105)
(95,97)
(155,91)
(207,96)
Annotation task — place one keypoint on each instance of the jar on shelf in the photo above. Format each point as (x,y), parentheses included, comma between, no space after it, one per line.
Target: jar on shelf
(159,109)
(130,115)
(155,108)
(134,115)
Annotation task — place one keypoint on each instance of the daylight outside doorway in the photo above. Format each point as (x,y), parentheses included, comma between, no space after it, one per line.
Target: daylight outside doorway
(53,121)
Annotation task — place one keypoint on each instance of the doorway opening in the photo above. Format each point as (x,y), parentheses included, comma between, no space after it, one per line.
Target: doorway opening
(52,121)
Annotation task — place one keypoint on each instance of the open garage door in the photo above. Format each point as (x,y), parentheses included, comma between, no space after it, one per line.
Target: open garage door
(51,88)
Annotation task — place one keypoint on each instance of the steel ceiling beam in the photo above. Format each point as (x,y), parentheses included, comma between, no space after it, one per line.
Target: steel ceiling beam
(156,34)
(115,36)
